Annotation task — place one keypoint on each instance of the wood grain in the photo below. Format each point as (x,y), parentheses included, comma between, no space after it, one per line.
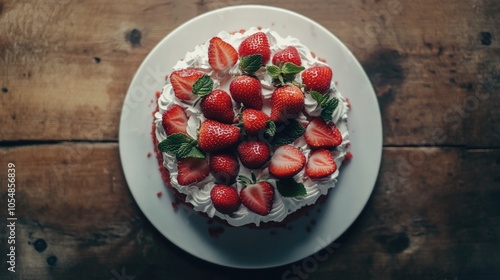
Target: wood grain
(433,75)
(433,215)
(65,67)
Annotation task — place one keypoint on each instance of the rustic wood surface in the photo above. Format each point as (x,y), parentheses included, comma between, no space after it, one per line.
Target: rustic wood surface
(65,67)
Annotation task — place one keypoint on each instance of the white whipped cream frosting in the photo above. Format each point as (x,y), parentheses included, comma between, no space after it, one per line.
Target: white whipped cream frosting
(198,194)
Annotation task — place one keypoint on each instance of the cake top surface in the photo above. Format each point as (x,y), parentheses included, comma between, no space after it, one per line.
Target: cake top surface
(277,191)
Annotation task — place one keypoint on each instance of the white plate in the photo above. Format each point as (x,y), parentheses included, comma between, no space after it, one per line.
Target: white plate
(243,247)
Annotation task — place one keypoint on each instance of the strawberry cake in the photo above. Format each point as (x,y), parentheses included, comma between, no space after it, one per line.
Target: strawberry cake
(250,128)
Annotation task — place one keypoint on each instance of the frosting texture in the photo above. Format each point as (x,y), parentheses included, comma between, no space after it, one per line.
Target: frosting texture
(198,194)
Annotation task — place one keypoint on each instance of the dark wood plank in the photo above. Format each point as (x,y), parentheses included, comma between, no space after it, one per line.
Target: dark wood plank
(436,77)
(65,67)
(433,215)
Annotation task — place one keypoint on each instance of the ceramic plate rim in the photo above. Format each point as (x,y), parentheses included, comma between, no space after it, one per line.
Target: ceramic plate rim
(136,103)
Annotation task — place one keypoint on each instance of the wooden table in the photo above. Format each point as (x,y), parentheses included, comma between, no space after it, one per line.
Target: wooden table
(65,67)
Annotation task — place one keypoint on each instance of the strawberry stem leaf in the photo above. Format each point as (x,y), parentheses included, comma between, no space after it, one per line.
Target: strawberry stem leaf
(244,180)
(203,86)
(254,179)
(251,63)
(290,188)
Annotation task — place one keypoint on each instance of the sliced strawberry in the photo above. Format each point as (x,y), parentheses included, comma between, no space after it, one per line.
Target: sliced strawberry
(254,121)
(182,82)
(224,167)
(225,199)
(337,135)
(317,78)
(319,135)
(320,164)
(256,44)
(286,162)
(215,136)
(287,102)
(258,197)
(253,154)
(174,120)
(248,91)
(289,54)
(191,170)
(221,55)
(218,106)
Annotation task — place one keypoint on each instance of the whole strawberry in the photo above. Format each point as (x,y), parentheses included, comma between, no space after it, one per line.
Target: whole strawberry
(225,199)
(248,91)
(253,154)
(317,78)
(287,102)
(257,196)
(215,136)
(254,121)
(289,54)
(218,106)
(182,82)
(256,44)
(224,167)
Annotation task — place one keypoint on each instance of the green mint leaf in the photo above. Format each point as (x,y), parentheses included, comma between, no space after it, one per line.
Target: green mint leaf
(271,128)
(317,96)
(288,78)
(183,150)
(331,104)
(290,188)
(328,107)
(287,132)
(281,80)
(290,68)
(326,114)
(285,74)
(162,146)
(203,86)
(273,71)
(173,143)
(180,145)
(251,63)
(194,152)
